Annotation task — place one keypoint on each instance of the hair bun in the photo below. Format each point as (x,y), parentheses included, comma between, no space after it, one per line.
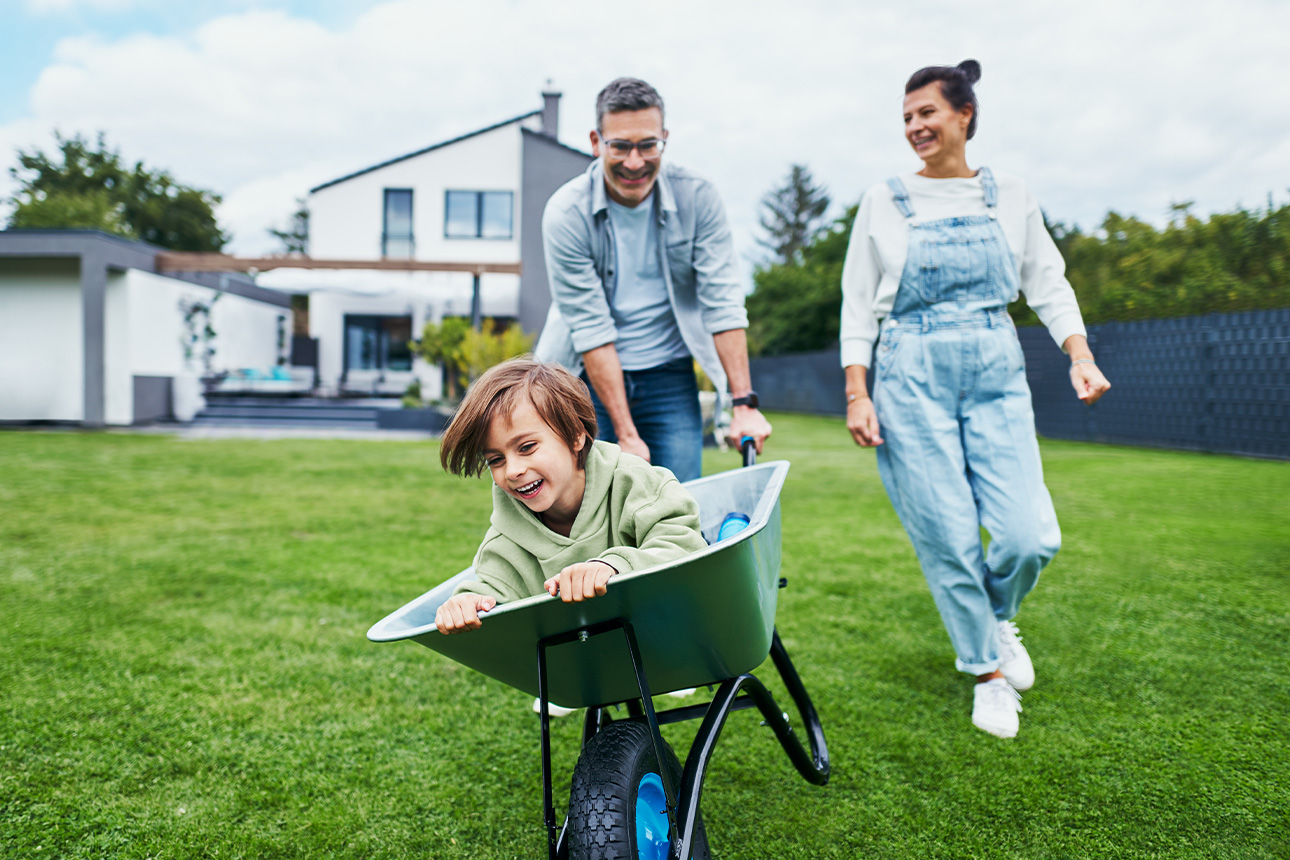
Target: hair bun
(971,70)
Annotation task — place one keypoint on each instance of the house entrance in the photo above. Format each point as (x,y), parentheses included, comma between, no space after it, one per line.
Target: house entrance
(377,342)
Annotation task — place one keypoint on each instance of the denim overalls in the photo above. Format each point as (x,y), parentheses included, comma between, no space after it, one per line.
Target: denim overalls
(954,409)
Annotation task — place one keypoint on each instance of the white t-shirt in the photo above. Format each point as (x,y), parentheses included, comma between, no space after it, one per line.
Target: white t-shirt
(880,242)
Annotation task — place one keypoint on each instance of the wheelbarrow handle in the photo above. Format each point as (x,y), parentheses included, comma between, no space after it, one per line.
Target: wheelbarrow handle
(748,446)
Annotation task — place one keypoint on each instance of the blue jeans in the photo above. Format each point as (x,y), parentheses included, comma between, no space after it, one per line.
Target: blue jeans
(664,402)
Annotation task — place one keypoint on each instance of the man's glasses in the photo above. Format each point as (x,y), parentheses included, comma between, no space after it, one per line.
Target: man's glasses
(649,148)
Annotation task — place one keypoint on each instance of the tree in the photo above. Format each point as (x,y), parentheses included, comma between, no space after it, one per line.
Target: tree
(796,305)
(1126,270)
(295,239)
(441,344)
(481,350)
(90,188)
(465,353)
(793,213)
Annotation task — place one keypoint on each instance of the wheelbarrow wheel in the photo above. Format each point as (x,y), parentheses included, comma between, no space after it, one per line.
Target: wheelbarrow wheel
(617,803)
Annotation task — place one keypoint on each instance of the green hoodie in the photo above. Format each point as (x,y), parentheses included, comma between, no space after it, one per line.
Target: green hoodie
(633,516)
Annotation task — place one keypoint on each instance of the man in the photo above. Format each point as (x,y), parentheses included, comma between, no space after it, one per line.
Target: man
(643,279)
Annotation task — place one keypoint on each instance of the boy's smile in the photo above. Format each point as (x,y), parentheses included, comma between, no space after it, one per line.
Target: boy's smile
(532,463)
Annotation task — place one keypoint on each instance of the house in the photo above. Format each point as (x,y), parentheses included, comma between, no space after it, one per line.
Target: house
(477,198)
(93,333)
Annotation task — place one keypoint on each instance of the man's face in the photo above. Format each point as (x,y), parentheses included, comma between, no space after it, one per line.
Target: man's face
(629,178)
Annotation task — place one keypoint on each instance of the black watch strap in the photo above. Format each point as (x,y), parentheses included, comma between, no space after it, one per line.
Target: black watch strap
(749,399)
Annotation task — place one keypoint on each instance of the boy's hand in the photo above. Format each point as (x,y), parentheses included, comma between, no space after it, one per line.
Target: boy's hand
(579,582)
(460,612)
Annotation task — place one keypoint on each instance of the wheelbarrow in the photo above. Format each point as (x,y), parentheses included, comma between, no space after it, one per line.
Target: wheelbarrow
(705,620)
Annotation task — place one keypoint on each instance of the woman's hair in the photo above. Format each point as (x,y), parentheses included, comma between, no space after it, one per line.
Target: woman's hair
(956,86)
(559,398)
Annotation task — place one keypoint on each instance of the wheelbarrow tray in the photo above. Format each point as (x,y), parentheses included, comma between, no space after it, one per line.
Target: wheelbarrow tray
(699,620)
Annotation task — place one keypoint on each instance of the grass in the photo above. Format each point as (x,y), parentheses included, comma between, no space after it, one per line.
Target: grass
(183,671)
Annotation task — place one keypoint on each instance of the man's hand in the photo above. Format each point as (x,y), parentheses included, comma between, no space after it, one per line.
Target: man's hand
(460,612)
(635,445)
(579,582)
(862,421)
(746,421)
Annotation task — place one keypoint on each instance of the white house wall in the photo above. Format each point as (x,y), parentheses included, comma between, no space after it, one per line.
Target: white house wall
(246,331)
(144,330)
(346,219)
(42,354)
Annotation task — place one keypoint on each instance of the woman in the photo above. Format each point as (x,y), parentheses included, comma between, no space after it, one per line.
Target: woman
(937,256)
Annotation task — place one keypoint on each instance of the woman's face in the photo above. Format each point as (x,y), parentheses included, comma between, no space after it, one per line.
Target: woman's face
(932,126)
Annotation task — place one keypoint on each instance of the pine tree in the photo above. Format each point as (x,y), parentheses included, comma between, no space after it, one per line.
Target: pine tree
(793,215)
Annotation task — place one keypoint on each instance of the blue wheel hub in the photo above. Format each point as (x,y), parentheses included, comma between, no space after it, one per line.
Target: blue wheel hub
(651,819)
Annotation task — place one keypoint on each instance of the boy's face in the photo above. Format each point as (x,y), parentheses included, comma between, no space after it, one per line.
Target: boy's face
(530,462)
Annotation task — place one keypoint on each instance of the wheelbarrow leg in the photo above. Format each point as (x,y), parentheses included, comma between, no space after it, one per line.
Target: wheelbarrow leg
(553,835)
(818,770)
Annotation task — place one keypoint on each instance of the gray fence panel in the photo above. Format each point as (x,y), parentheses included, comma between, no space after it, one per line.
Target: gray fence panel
(810,382)
(1219,383)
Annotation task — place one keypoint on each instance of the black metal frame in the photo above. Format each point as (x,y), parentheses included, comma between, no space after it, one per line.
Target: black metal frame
(733,694)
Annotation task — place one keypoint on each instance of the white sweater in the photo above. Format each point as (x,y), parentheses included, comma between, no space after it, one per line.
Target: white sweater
(880,241)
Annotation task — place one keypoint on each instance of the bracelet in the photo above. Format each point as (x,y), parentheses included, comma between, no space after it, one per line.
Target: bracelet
(1083,361)
(851,398)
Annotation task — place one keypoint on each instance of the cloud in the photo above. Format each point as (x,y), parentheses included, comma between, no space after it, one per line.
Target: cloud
(1099,106)
(42,7)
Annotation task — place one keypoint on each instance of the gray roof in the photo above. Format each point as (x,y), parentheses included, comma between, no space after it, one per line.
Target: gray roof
(120,254)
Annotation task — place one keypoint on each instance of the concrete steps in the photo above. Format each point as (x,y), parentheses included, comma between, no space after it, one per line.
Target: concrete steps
(251,411)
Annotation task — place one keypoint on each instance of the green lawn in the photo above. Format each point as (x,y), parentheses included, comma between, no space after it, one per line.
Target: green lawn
(184,673)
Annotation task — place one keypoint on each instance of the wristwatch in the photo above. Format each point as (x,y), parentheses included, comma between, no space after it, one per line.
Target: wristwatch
(749,399)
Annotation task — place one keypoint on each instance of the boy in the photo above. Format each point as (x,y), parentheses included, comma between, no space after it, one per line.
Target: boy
(569,512)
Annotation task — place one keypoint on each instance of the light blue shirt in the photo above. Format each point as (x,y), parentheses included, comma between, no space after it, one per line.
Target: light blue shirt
(647,332)
(694,244)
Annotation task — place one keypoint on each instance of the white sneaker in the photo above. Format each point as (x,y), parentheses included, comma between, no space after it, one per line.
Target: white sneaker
(681,694)
(1014,659)
(552,708)
(995,705)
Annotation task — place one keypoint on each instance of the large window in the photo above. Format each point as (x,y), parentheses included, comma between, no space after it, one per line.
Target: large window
(478,215)
(396,234)
(377,343)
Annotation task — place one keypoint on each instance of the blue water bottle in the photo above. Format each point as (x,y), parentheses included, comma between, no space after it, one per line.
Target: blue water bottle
(732,525)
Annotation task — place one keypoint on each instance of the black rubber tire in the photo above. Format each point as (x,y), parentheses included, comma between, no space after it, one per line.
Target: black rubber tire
(602,799)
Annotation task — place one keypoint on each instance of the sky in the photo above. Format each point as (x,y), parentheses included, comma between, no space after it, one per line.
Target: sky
(1099,105)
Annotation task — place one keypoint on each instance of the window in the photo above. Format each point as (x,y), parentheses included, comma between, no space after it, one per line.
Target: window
(377,343)
(478,215)
(396,236)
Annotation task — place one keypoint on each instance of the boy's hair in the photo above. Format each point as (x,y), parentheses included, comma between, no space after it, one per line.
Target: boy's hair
(559,398)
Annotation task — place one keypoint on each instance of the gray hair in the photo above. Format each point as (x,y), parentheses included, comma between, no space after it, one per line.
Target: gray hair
(624,94)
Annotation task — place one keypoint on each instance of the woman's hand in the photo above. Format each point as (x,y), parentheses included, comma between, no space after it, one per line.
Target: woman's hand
(579,582)
(862,421)
(1089,382)
(460,612)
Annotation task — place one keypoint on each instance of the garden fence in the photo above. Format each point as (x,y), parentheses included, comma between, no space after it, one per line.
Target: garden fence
(1219,382)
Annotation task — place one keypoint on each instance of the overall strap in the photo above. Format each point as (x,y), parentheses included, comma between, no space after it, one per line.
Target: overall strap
(989,187)
(900,196)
